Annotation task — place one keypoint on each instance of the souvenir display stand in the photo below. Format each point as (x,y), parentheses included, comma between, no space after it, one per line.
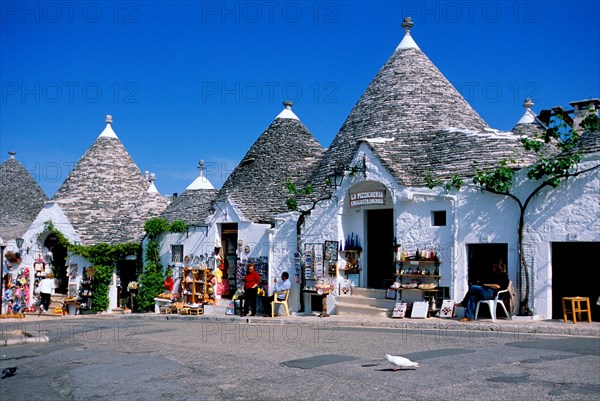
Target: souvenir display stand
(417,281)
(319,263)
(85,290)
(324,287)
(196,290)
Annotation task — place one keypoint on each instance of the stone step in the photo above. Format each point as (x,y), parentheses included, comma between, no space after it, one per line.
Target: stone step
(346,310)
(368,292)
(366,301)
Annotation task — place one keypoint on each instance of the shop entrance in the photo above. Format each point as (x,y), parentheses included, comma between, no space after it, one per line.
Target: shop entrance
(59,263)
(229,239)
(482,256)
(379,244)
(573,266)
(126,271)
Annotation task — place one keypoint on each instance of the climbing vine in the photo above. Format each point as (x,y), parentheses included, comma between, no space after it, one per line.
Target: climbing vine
(104,258)
(152,278)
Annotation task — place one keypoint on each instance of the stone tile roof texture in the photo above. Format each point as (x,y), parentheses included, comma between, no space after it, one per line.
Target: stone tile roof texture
(285,150)
(192,206)
(447,152)
(590,142)
(151,204)
(105,189)
(21,199)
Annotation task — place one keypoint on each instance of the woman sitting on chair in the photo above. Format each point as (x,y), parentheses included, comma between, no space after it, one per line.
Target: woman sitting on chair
(485,289)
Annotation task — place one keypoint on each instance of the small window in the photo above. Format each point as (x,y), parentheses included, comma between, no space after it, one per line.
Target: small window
(439,218)
(176,253)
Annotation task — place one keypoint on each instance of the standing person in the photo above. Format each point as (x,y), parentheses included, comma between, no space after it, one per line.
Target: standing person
(493,282)
(283,285)
(251,282)
(46,287)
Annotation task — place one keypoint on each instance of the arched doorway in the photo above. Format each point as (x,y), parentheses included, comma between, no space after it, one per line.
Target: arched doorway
(369,214)
(59,263)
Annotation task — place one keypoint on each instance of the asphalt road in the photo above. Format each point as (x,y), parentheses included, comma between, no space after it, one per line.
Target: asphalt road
(118,359)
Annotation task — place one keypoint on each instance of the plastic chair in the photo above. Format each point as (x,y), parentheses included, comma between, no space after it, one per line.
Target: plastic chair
(492,304)
(283,302)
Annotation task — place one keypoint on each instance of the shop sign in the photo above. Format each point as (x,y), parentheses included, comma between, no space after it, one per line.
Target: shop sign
(367,198)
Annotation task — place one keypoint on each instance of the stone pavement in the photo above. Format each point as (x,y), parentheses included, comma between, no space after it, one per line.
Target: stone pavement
(521,325)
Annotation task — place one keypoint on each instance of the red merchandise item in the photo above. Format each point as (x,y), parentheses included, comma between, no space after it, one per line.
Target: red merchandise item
(168,284)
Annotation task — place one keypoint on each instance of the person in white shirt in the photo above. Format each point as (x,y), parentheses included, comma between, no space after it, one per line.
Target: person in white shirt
(46,288)
(284,285)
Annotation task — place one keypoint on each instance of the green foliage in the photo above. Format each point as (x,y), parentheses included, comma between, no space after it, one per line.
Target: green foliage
(430,180)
(561,165)
(152,279)
(498,180)
(178,226)
(591,122)
(151,284)
(100,285)
(554,169)
(155,226)
(105,254)
(292,202)
(62,240)
(455,183)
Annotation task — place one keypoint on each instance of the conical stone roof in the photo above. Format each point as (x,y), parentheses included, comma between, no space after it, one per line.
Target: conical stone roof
(103,191)
(285,150)
(409,101)
(21,198)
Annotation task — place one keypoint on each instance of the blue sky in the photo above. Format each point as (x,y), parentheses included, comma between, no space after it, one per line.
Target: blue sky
(190,80)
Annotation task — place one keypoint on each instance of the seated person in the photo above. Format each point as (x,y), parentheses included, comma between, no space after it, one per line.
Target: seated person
(487,288)
(283,285)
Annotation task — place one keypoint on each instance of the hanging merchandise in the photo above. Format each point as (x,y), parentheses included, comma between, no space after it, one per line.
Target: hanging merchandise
(16,296)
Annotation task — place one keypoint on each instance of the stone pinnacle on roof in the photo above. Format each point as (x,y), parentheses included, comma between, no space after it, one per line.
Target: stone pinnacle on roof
(11,155)
(201,182)
(108,131)
(529,116)
(152,188)
(287,111)
(407,42)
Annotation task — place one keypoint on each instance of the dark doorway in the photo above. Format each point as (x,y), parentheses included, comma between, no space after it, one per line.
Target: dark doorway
(59,263)
(126,271)
(229,239)
(380,242)
(573,267)
(482,256)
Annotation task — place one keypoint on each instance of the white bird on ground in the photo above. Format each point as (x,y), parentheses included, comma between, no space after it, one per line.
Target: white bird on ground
(401,362)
